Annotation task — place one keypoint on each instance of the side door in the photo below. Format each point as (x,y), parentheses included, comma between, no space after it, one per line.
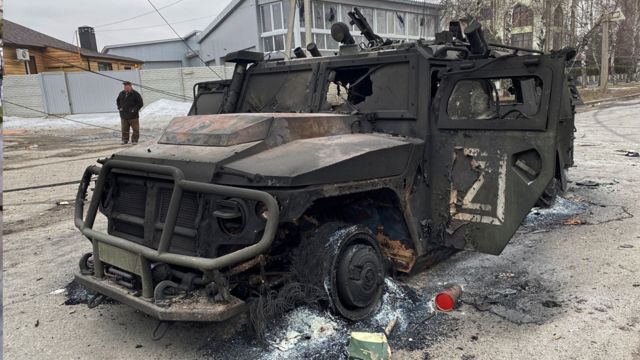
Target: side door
(493,147)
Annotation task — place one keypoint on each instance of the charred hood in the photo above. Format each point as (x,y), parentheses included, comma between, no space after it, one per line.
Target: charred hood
(276,149)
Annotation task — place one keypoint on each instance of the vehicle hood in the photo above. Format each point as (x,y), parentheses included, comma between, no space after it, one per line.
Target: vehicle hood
(276,149)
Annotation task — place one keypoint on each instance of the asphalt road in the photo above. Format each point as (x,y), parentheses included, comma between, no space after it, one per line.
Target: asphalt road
(566,287)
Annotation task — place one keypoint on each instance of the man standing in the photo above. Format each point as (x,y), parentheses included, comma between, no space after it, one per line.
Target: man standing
(129,104)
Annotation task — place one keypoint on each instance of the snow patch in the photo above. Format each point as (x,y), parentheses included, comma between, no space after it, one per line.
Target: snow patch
(159,113)
(153,116)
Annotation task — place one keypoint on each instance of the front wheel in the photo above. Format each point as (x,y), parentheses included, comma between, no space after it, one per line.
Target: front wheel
(350,268)
(550,194)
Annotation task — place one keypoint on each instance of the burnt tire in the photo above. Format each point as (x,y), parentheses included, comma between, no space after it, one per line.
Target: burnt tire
(550,194)
(345,261)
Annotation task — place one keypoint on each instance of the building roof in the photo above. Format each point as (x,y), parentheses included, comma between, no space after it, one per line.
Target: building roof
(16,34)
(108,47)
(434,4)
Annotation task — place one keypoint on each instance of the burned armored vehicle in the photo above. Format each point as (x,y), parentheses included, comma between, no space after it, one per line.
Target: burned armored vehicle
(331,172)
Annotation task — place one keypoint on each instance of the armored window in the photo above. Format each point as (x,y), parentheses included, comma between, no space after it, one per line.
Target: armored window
(522,16)
(277,91)
(496,98)
(367,89)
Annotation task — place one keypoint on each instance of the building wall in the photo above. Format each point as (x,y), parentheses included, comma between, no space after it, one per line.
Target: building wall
(13,66)
(52,59)
(545,32)
(239,31)
(169,51)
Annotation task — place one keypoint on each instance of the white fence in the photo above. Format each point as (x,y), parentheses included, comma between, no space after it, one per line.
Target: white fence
(58,93)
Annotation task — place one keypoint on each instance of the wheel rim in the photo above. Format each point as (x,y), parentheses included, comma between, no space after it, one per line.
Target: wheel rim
(358,276)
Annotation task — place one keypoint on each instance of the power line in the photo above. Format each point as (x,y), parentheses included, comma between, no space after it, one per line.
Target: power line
(72,120)
(159,25)
(138,16)
(43,186)
(183,40)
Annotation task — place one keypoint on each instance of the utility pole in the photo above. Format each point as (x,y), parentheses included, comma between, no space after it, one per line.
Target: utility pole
(308,37)
(607,19)
(604,62)
(292,17)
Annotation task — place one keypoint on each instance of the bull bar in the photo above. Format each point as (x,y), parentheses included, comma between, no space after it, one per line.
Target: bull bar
(145,254)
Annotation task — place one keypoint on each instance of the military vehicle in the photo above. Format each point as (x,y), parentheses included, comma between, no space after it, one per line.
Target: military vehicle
(332,171)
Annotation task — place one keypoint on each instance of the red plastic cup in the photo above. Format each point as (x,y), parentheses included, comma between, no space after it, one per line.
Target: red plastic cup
(446,300)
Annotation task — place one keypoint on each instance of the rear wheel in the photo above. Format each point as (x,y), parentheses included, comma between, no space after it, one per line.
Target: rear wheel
(349,268)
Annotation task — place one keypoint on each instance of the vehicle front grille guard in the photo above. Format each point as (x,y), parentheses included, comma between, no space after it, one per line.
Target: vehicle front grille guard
(147,254)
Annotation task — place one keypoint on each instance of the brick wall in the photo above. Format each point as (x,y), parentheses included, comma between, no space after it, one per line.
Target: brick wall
(25,90)
(178,81)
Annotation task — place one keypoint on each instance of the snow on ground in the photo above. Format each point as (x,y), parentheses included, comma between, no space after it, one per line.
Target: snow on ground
(153,116)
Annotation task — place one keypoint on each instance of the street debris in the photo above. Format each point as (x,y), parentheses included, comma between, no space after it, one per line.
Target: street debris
(626,246)
(390,326)
(56,292)
(589,183)
(573,221)
(60,203)
(368,346)
(446,300)
(551,304)
(629,153)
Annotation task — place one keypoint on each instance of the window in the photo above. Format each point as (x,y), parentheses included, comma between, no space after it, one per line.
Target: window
(522,40)
(381,22)
(324,14)
(267,26)
(499,98)
(430,27)
(127,67)
(413,24)
(30,66)
(273,18)
(522,16)
(399,22)
(104,66)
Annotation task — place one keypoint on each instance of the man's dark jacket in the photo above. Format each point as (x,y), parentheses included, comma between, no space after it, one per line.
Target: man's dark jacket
(129,103)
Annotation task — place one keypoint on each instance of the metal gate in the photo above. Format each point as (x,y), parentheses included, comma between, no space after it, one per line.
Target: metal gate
(56,95)
(92,93)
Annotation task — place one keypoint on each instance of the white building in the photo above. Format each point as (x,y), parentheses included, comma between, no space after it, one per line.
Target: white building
(261,25)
